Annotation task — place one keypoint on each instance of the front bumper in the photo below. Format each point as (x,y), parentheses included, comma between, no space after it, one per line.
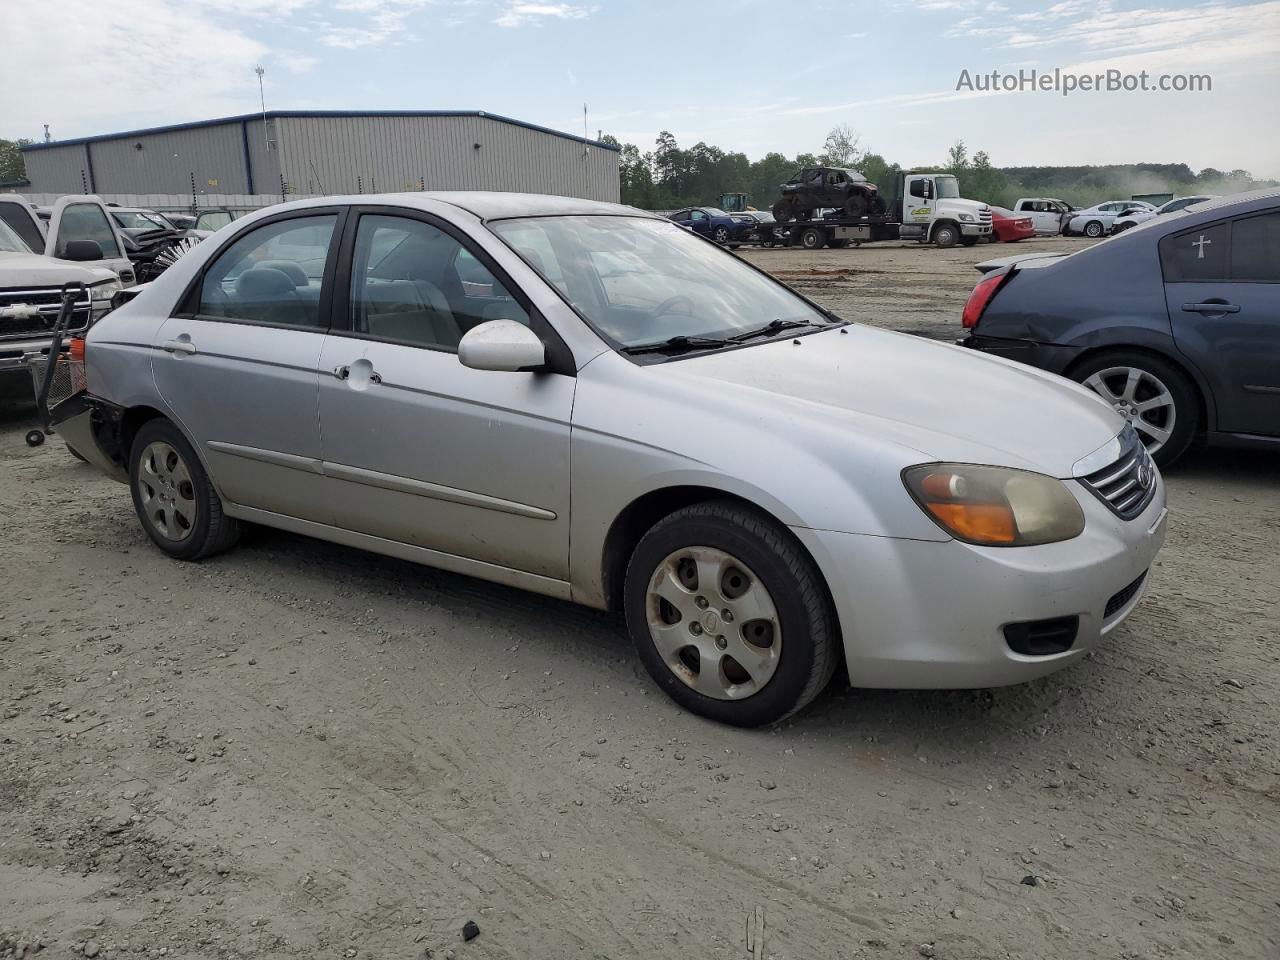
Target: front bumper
(930,615)
(975,229)
(15,354)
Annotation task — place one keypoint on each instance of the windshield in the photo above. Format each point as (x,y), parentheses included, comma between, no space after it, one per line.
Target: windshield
(948,188)
(136,220)
(10,242)
(640,281)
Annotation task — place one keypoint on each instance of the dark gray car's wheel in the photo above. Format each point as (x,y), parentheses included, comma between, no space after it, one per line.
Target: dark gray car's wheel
(729,615)
(1093,229)
(175,501)
(783,210)
(1155,396)
(721,235)
(813,238)
(946,235)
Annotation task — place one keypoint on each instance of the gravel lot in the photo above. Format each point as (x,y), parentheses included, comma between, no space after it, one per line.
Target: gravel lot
(300,749)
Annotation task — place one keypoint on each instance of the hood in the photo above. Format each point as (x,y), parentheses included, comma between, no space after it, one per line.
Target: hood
(33,269)
(960,203)
(942,401)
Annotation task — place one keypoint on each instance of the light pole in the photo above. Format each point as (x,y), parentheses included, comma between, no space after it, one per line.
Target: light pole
(266,136)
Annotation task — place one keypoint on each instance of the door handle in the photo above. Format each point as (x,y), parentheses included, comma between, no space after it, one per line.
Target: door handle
(179,346)
(1211,307)
(344,373)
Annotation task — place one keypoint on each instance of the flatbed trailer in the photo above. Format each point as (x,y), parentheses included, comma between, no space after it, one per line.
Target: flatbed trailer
(833,231)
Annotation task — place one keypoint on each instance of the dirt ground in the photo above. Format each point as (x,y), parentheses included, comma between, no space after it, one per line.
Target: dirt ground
(297,749)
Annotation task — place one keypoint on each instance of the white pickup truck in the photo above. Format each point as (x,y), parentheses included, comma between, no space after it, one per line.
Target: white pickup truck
(1048,215)
(82,244)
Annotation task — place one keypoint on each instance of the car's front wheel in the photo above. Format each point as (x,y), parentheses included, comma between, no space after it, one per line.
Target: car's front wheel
(729,614)
(1093,229)
(721,235)
(176,503)
(1157,398)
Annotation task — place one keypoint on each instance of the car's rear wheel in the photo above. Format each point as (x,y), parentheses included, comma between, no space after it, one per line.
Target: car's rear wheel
(173,496)
(1157,398)
(1093,229)
(729,614)
(783,210)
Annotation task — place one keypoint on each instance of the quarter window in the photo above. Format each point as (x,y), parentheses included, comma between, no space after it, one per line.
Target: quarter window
(273,275)
(1255,248)
(412,283)
(1196,255)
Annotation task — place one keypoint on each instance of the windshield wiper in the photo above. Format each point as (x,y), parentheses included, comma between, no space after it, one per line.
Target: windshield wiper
(680,342)
(773,326)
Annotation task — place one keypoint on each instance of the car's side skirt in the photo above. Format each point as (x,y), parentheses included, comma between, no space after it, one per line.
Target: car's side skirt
(560,589)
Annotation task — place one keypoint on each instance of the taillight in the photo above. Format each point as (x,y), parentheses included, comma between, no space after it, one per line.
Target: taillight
(978,300)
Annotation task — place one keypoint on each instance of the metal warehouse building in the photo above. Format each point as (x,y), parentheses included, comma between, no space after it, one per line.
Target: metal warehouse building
(329,153)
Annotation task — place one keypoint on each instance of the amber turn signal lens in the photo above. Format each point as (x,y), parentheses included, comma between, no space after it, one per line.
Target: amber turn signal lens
(76,349)
(978,522)
(995,506)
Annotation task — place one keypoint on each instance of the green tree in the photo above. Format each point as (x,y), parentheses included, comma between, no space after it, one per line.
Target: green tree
(12,169)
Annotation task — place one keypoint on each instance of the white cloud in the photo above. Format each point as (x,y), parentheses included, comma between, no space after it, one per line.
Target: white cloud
(520,12)
(195,64)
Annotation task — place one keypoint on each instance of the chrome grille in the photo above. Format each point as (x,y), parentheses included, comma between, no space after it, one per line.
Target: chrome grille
(1127,484)
(32,312)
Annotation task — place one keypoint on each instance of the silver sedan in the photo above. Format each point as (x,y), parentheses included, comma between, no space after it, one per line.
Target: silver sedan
(586,401)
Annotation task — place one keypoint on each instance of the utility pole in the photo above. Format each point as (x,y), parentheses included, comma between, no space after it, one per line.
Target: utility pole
(263,98)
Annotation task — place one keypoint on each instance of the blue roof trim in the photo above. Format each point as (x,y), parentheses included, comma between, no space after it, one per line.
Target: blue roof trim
(339,114)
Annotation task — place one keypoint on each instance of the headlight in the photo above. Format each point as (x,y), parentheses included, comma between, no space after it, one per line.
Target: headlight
(967,217)
(104,291)
(995,506)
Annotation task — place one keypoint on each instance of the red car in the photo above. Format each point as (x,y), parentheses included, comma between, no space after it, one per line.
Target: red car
(1009,227)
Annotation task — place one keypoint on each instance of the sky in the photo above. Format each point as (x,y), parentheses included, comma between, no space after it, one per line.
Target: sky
(745,75)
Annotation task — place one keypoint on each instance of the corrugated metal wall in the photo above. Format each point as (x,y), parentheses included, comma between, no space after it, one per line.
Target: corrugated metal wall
(387,154)
(331,155)
(57,169)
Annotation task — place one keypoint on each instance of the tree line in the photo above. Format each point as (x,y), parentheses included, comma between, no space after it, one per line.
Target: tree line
(669,176)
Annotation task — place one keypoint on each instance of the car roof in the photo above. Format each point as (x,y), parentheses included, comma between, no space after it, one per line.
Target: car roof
(484,205)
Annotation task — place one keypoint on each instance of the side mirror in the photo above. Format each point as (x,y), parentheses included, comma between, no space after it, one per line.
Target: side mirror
(501,345)
(82,250)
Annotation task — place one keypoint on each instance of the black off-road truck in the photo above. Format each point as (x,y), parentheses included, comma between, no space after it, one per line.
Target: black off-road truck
(816,187)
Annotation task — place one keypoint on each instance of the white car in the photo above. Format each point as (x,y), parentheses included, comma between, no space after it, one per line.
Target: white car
(1178,203)
(1096,221)
(584,400)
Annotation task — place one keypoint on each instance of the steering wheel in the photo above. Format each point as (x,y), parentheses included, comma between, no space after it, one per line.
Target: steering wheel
(667,305)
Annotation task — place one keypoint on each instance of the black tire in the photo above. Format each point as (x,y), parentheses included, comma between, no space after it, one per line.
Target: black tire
(1093,229)
(809,637)
(968,241)
(856,205)
(212,530)
(1120,228)
(877,207)
(813,239)
(837,244)
(1185,395)
(946,235)
(34,438)
(783,210)
(721,236)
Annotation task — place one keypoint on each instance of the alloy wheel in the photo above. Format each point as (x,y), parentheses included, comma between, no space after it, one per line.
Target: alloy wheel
(713,623)
(1141,398)
(721,235)
(167,493)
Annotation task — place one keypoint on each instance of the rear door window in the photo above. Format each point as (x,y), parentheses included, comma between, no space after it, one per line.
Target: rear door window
(1255,248)
(273,275)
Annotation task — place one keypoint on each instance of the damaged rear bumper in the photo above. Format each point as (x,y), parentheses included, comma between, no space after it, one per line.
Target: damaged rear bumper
(91,426)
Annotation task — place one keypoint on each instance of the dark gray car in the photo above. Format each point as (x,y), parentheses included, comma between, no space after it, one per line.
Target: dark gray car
(1176,323)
